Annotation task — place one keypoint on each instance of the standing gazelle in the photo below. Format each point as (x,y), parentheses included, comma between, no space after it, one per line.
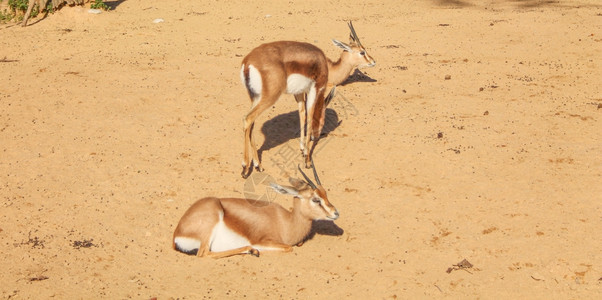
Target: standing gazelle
(300,69)
(223,227)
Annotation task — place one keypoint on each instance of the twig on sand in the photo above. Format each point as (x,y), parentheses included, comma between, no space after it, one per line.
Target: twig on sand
(463,265)
(8,60)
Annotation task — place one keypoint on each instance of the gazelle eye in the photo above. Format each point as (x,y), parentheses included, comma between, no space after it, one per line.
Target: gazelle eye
(315,200)
(362,53)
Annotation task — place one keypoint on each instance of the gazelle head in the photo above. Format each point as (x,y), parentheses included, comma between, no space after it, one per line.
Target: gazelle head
(356,52)
(314,202)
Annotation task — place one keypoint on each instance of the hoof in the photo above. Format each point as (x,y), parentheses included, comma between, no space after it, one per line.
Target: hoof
(244,174)
(254,252)
(308,165)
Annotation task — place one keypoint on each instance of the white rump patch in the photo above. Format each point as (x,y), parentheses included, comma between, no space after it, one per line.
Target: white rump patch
(187,244)
(255,82)
(225,238)
(242,75)
(297,84)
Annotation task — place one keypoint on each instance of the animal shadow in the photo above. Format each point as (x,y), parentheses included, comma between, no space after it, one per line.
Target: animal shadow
(324,227)
(357,76)
(285,127)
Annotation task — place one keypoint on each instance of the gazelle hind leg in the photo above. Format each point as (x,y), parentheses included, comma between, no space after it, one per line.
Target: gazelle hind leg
(246,162)
(203,250)
(250,156)
(256,162)
(263,102)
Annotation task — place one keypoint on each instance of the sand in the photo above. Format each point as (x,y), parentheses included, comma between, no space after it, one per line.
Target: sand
(477,136)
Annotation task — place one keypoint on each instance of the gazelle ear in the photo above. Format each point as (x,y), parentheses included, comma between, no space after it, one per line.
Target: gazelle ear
(341,45)
(298,184)
(352,41)
(285,190)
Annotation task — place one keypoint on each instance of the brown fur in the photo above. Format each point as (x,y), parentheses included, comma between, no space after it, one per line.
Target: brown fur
(275,62)
(264,224)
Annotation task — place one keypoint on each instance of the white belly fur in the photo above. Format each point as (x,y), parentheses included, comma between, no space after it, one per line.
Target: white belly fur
(297,84)
(225,239)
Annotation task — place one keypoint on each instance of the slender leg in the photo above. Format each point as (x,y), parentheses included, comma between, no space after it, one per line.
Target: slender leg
(253,250)
(237,251)
(245,160)
(268,95)
(256,162)
(273,246)
(302,120)
(268,98)
(318,120)
(317,108)
(203,250)
(320,116)
(249,123)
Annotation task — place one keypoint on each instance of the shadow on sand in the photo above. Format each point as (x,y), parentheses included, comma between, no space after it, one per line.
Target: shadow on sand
(324,227)
(285,127)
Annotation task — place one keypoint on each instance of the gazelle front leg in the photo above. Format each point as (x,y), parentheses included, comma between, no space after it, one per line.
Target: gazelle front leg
(253,250)
(319,117)
(314,96)
(237,251)
(273,246)
(300,98)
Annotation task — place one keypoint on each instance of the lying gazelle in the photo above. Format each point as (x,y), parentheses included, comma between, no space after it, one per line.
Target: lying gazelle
(223,227)
(300,69)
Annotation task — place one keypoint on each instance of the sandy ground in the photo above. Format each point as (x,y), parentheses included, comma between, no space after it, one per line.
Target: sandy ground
(477,136)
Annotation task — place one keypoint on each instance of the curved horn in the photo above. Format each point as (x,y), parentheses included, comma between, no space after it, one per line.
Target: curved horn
(313,186)
(353,34)
(313,166)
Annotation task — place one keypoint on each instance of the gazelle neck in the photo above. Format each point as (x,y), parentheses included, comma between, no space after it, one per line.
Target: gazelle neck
(300,225)
(340,70)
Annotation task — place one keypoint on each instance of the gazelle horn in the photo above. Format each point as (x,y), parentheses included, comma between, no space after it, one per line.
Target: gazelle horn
(353,34)
(313,186)
(313,166)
